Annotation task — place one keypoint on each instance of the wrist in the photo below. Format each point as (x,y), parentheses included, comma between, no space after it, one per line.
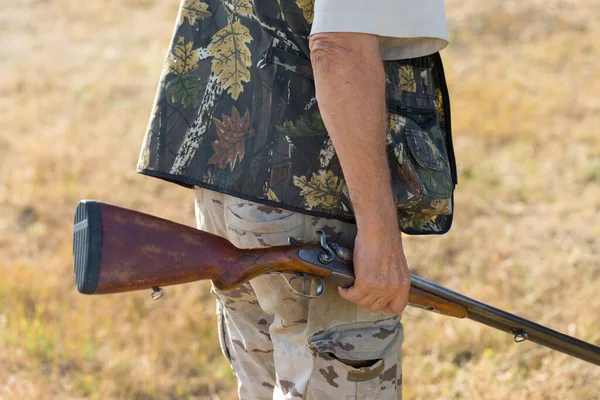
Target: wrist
(381,221)
(374,207)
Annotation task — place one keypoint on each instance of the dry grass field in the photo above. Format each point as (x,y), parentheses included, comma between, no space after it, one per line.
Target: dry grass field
(77,83)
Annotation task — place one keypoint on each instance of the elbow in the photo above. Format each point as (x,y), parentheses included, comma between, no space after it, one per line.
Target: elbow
(327,49)
(331,51)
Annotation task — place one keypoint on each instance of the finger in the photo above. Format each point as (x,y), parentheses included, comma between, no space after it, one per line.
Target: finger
(352,294)
(369,301)
(364,300)
(390,311)
(397,304)
(373,301)
(379,304)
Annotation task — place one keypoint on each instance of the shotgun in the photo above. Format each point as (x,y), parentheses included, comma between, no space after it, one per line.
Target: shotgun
(119,250)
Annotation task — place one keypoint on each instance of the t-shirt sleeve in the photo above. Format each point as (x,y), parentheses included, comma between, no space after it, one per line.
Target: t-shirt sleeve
(406,28)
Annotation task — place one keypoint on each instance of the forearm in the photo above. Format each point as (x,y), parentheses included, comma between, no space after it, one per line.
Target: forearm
(350,85)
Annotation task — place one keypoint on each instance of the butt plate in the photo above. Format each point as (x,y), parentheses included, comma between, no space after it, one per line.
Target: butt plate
(87,245)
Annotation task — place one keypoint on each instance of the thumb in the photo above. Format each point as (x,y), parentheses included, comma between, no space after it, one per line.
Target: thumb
(343,292)
(397,305)
(351,294)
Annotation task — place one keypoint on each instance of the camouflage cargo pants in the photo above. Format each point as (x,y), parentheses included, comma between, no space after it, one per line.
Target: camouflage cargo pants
(283,346)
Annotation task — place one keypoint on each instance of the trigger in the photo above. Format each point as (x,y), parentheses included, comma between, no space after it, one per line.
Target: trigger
(292,241)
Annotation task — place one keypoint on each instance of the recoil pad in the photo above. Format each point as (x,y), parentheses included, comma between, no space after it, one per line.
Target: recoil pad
(87,245)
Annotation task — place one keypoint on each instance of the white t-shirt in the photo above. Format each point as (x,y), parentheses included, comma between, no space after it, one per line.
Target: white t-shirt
(406,28)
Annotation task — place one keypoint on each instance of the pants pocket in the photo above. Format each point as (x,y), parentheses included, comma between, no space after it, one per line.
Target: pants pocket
(376,340)
(251,224)
(222,332)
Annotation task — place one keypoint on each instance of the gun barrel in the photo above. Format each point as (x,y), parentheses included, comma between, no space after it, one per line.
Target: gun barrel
(521,328)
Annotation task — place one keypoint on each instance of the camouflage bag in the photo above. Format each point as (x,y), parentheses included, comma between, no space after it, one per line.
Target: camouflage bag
(420,147)
(236,113)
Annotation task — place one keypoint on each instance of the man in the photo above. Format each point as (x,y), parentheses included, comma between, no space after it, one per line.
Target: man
(254,98)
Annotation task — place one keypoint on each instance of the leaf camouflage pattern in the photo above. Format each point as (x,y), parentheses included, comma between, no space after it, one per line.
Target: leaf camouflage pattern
(184,58)
(185,89)
(306,125)
(241,7)
(407,79)
(193,10)
(225,57)
(308,9)
(231,133)
(231,57)
(321,190)
(440,104)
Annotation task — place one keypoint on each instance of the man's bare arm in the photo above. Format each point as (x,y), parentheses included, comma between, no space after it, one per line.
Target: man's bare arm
(350,84)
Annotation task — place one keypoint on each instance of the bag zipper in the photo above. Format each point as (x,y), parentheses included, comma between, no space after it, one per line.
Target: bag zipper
(409,112)
(395,106)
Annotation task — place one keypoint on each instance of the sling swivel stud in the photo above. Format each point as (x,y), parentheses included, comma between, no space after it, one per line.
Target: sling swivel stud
(520,336)
(157,293)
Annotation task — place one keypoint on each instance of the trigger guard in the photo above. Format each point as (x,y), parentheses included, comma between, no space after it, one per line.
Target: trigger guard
(320,288)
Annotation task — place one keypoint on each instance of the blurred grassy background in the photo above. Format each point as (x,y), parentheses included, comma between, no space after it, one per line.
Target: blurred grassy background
(78,80)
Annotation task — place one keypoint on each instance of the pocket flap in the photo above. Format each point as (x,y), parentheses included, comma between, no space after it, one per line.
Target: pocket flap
(423,149)
(249,217)
(360,340)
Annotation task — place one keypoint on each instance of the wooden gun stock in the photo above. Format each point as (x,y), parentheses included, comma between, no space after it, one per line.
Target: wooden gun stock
(119,250)
(430,302)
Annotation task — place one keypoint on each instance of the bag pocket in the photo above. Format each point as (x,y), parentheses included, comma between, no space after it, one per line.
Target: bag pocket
(421,179)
